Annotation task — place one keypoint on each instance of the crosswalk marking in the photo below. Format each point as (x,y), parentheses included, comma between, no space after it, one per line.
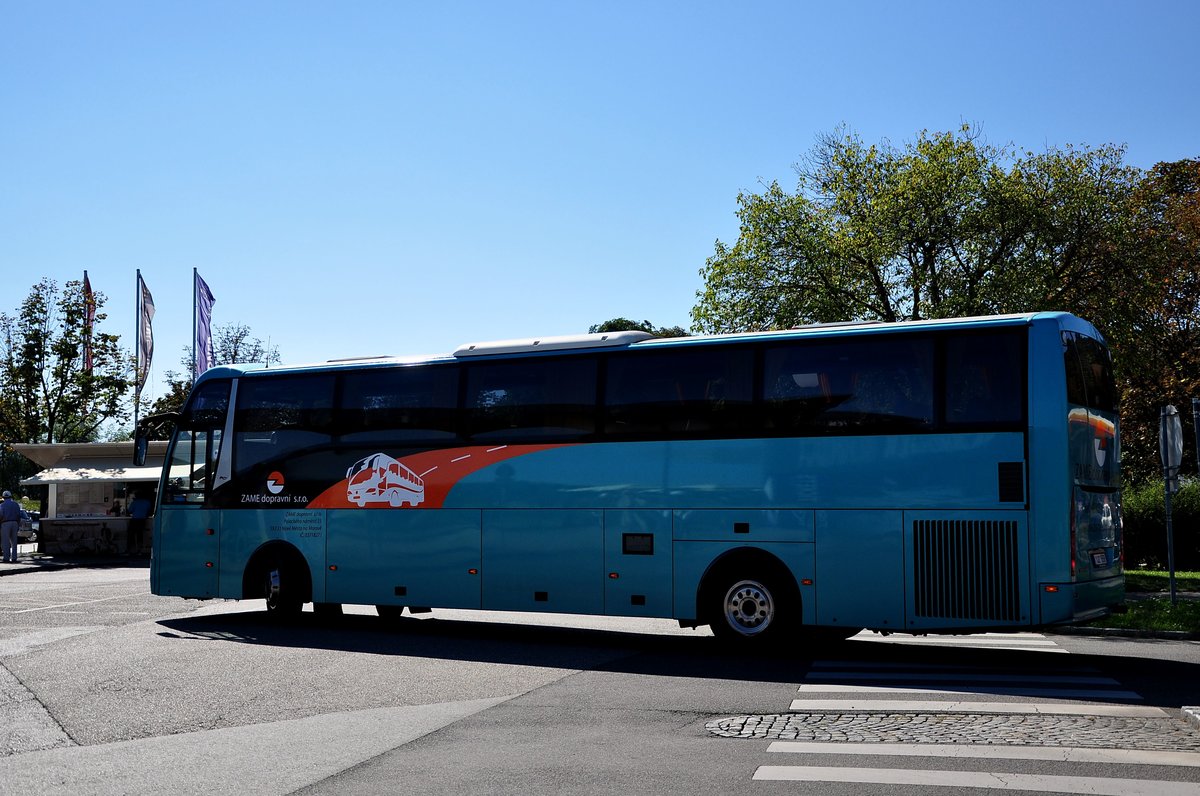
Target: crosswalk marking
(958,676)
(843,688)
(999,641)
(1060,754)
(925,706)
(1033,691)
(1038,783)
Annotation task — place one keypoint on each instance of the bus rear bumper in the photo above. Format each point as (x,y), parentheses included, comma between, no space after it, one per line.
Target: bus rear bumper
(1073,603)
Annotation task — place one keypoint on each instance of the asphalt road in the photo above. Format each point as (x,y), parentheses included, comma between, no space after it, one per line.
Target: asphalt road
(105,688)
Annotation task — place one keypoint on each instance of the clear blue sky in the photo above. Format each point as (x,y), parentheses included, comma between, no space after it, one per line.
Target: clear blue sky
(372,178)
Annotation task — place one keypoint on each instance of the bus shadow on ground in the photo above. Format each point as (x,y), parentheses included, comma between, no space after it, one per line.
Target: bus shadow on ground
(1157,681)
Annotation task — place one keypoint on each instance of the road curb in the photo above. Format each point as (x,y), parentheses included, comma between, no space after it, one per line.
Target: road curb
(1122,632)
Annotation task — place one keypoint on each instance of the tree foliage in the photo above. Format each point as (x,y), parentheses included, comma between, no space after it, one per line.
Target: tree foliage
(626,325)
(948,226)
(46,392)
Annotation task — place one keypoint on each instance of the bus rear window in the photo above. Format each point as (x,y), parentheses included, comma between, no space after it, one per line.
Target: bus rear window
(1090,380)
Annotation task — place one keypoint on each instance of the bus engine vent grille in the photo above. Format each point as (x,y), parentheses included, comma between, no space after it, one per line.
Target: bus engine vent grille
(966,569)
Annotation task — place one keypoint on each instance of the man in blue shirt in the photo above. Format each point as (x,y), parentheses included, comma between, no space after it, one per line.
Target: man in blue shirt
(139,511)
(10,522)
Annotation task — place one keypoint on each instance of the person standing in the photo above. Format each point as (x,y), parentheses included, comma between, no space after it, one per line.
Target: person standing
(10,523)
(139,511)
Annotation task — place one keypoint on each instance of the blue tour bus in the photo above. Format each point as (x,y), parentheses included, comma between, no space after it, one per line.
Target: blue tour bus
(919,477)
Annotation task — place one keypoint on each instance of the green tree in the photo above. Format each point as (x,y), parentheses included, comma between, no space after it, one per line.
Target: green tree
(47,394)
(945,226)
(1160,352)
(626,325)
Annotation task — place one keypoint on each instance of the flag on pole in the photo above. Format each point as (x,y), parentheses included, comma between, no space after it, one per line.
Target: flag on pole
(145,333)
(89,320)
(203,302)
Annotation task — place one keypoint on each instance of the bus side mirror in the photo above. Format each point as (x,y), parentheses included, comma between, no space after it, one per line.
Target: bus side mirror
(140,444)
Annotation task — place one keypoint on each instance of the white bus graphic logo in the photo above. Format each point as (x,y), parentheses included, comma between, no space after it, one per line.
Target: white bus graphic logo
(381,479)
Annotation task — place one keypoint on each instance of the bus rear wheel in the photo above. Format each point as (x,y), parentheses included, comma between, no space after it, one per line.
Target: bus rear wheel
(756,607)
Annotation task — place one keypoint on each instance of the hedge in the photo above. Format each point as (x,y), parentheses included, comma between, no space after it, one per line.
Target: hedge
(1145,526)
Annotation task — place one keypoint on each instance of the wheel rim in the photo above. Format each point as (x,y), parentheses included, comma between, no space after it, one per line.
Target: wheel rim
(272,589)
(749,607)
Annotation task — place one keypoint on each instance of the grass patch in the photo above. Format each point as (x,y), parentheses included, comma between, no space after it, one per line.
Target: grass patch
(1148,604)
(1159,580)
(1156,613)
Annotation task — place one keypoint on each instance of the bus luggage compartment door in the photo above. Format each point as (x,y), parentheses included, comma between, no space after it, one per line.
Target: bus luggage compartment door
(637,563)
(403,557)
(188,551)
(543,560)
(860,569)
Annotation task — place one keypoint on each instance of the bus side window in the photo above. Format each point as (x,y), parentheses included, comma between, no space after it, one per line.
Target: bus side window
(858,386)
(680,394)
(984,381)
(404,405)
(531,400)
(278,417)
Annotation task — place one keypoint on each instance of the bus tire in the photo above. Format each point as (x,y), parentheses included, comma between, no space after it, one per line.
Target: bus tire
(752,602)
(281,581)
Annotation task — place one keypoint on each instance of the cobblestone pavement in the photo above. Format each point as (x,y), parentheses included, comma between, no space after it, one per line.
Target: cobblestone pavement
(1099,732)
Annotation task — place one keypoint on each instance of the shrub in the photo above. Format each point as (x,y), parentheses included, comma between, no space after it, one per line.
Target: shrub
(1144,513)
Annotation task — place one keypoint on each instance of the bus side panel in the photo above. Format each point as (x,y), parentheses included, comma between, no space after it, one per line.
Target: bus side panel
(188,552)
(868,472)
(543,560)
(245,531)
(694,558)
(860,569)
(411,557)
(637,563)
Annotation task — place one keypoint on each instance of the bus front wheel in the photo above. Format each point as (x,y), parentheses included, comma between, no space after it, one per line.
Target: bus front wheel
(282,589)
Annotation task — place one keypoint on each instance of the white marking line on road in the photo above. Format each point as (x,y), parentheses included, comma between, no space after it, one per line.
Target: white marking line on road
(866,634)
(972,641)
(1058,754)
(1041,783)
(460,458)
(981,677)
(1033,691)
(916,706)
(493,450)
(81,602)
(919,667)
(996,647)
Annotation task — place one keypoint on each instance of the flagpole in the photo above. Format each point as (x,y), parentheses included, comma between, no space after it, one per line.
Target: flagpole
(195,327)
(137,352)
